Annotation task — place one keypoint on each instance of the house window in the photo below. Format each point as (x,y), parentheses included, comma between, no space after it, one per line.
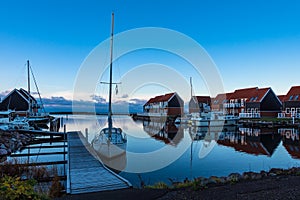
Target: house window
(242,102)
(297,110)
(291,97)
(255,99)
(292,110)
(296,97)
(248,110)
(256,110)
(252,110)
(287,110)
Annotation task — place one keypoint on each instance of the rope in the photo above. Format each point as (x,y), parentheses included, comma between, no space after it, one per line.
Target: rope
(37,89)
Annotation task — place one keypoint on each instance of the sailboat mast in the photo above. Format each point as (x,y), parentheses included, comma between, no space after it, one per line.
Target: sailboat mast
(28,76)
(110,72)
(191,83)
(28,84)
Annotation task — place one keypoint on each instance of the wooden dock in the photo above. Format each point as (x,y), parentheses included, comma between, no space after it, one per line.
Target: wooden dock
(85,172)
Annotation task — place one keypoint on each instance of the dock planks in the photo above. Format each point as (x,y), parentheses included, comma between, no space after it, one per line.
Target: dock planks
(85,172)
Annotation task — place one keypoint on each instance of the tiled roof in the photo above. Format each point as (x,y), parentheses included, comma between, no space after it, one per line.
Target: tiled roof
(293,94)
(244,93)
(203,99)
(221,97)
(262,92)
(281,97)
(160,98)
(254,94)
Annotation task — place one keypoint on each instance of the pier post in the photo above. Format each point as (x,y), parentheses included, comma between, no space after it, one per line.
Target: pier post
(87,134)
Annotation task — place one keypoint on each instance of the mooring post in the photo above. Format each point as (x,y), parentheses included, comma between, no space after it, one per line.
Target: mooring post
(65,151)
(86,134)
(61,122)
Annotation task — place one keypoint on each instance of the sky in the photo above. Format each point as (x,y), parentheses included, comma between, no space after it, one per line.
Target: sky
(252,43)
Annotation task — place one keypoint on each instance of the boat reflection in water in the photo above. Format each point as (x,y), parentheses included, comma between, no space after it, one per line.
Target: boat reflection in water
(110,145)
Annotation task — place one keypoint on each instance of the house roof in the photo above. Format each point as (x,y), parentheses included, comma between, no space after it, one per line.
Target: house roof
(161,98)
(281,97)
(293,94)
(202,99)
(220,98)
(26,94)
(23,93)
(244,93)
(253,94)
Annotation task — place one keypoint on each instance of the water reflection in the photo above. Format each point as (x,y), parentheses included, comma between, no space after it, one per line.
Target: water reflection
(290,138)
(214,151)
(251,140)
(165,131)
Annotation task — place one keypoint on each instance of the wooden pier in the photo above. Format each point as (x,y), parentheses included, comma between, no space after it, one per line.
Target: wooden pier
(85,172)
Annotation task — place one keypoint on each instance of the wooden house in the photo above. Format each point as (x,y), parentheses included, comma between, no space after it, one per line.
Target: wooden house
(217,103)
(20,101)
(291,103)
(249,103)
(164,105)
(199,104)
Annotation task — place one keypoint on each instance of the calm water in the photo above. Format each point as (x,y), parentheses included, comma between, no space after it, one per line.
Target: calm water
(181,152)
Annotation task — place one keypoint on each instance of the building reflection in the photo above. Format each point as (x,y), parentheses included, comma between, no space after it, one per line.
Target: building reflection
(290,140)
(165,131)
(251,140)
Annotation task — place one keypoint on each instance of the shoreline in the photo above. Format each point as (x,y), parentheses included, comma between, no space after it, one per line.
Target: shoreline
(275,184)
(12,141)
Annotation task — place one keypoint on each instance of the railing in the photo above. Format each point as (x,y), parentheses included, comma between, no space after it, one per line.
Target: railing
(249,115)
(232,105)
(288,115)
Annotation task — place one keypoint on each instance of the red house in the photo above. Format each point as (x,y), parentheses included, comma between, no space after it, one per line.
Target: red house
(291,103)
(249,103)
(164,105)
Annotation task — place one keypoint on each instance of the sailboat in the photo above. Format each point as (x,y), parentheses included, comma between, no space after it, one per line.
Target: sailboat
(111,142)
(33,117)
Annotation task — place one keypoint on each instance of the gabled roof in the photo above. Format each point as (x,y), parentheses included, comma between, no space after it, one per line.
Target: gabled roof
(161,98)
(26,94)
(244,93)
(253,94)
(261,93)
(202,99)
(220,98)
(281,97)
(293,94)
(18,92)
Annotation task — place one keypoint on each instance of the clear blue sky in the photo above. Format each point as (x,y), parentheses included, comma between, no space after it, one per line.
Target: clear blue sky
(252,42)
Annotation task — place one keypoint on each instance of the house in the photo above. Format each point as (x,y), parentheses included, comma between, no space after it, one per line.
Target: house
(20,101)
(199,104)
(249,103)
(217,103)
(291,103)
(164,105)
